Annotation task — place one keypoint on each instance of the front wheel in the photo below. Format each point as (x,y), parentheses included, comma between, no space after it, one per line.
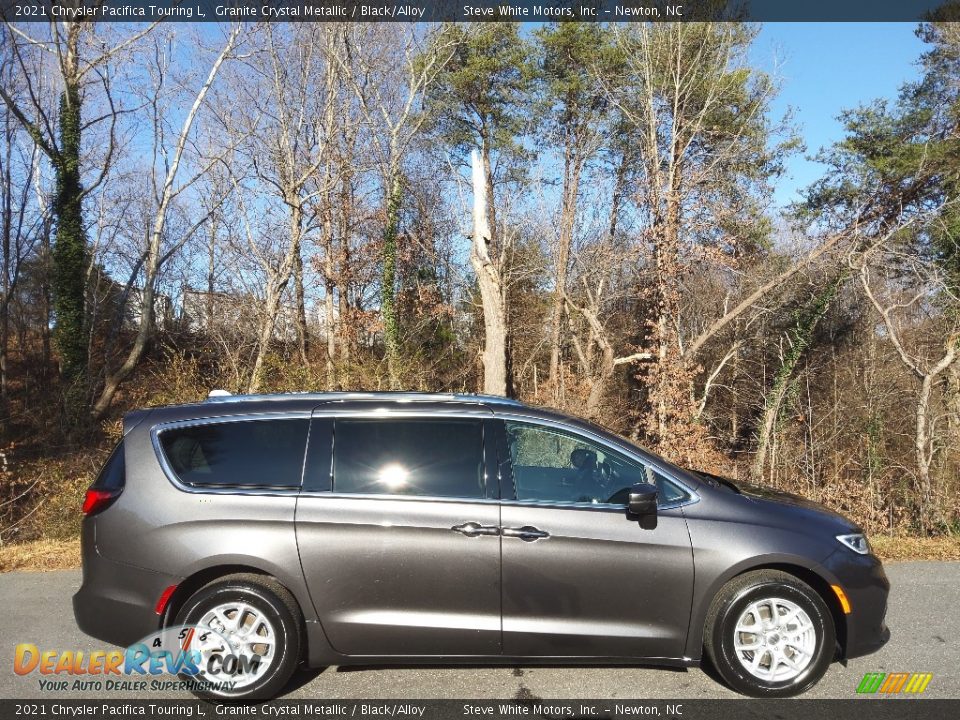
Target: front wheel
(769,634)
(247,635)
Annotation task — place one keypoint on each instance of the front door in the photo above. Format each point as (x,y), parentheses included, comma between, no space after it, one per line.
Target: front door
(579,577)
(401,551)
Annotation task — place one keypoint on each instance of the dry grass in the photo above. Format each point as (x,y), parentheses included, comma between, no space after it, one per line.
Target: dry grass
(40,555)
(916,548)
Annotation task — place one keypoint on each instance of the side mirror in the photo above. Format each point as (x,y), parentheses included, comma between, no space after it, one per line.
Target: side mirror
(643,499)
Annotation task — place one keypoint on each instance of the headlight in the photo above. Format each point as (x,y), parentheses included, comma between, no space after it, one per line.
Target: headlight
(856,542)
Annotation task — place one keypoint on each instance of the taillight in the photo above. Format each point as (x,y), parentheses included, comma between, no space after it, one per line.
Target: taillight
(98,500)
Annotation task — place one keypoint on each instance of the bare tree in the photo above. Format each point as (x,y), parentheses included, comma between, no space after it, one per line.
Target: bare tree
(282,117)
(905,286)
(81,60)
(21,224)
(391,69)
(693,186)
(166,191)
(570,53)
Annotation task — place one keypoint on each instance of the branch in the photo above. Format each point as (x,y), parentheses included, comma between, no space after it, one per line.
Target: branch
(632,358)
(33,41)
(168,192)
(745,304)
(35,132)
(116,48)
(111,146)
(713,376)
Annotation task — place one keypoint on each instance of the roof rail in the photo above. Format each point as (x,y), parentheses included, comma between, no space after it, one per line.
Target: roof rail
(489,399)
(219,396)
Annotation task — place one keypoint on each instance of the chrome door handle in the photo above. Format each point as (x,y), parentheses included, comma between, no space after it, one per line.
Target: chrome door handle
(474,529)
(527,533)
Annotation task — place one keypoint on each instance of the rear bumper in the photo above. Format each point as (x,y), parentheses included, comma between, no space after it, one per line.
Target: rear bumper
(116,602)
(866,586)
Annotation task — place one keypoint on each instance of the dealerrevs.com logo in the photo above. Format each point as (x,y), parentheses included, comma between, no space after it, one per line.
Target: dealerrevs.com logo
(201,658)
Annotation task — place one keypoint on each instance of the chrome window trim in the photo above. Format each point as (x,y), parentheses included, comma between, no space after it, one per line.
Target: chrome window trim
(403,498)
(174,480)
(556,505)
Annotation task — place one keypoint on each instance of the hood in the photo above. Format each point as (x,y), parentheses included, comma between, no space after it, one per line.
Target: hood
(761,492)
(780,502)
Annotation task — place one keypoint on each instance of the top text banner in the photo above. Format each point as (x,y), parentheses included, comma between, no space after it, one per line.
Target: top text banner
(479,10)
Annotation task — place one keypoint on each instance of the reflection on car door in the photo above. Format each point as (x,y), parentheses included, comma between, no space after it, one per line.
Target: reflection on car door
(579,577)
(388,572)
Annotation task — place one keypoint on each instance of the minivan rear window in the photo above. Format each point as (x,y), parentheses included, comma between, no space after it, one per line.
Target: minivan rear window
(439,458)
(248,453)
(113,474)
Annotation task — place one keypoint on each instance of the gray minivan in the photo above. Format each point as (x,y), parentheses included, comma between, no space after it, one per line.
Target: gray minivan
(362,528)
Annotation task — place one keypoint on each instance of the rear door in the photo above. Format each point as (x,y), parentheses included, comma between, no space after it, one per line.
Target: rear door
(397,531)
(581,578)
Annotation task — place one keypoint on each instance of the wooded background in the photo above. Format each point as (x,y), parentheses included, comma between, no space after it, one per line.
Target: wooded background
(577,215)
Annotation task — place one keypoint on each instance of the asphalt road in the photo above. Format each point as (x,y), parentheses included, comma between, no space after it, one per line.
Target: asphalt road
(924,618)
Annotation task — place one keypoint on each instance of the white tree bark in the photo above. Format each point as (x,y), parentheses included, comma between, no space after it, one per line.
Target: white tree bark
(491,288)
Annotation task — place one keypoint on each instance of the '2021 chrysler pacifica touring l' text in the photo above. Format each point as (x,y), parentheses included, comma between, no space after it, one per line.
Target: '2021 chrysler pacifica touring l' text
(361,528)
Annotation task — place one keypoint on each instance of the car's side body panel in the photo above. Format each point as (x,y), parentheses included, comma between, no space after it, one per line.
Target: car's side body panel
(389,577)
(600,584)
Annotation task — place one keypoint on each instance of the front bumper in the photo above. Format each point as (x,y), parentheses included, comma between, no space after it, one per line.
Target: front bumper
(116,602)
(866,586)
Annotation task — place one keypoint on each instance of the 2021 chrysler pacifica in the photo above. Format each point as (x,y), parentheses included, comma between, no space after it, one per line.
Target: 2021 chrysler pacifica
(353,528)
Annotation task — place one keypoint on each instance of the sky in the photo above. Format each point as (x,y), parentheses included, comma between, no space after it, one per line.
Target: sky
(825,68)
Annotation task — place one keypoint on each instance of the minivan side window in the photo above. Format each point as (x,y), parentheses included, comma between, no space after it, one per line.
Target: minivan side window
(439,458)
(554,466)
(247,453)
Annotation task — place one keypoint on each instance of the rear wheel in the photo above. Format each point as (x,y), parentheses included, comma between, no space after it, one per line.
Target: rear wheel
(255,639)
(769,634)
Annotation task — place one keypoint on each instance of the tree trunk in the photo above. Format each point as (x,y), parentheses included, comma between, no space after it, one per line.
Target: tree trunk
(70,248)
(388,278)
(667,269)
(211,277)
(346,325)
(271,306)
(953,415)
(568,216)
(46,300)
(301,309)
(926,446)
(490,283)
(922,448)
(275,286)
(329,285)
(598,387)
(7,235)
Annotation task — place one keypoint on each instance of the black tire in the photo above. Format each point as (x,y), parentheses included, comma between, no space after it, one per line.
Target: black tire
(733,600)
(278,606)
